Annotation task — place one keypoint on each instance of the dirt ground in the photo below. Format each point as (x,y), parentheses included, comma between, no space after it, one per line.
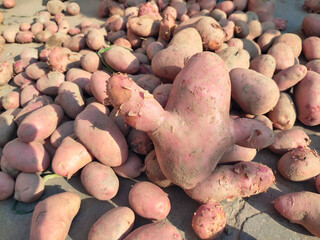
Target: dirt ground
(247,218)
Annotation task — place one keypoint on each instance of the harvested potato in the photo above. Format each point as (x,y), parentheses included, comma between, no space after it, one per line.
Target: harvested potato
(311,48)
(8,126)
(310,25)
(6,186)
(264,64)
(132,168)
(290,76)
(28,187)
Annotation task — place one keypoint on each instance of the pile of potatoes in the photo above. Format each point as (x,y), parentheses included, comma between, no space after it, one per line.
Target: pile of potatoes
(142,93)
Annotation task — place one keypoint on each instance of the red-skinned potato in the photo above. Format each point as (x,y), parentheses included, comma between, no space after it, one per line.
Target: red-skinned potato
(311,48)
(264,9)
(52,217)
(8,126)
(79,77)
(266,39)
(237,153)
(299,164)
(161,93)
(314,65)
(6,72)
(100,181)
(7,168)
(144,113)
(73,9)
(139,142)
(26,157)
(301,208)
(160,230)
(235,58)
(65,129)
(28,93)
(264,64)
(119,121)
(115,223)
(132,168)
(317,182)
(292,40)
(6,186)
(40,123)
(28,187)
(209,220)
(90,62)
(95,39)
(310,25)
(50,83)
(149,201)
(290,76)
(287,140)
(11,100)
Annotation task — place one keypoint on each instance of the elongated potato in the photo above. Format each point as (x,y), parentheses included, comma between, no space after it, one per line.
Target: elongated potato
(116,224)
(98,83)
(26,157)
(301,208)
(300,164)
(290,76)
(287,140)
(52,217)
(40,124)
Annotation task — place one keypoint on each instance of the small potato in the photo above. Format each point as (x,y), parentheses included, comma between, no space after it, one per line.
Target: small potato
(314,65)
(209,220)
(153,171)
(9,3)
(235,58)
(10,33)
(290,76)
(55,6)
(26,157)
(307,99)
(266,39)
(161,93)
(300,164)
(95,39)
(6,186)
(49,84)
(76,42)
(144,26)
(292,40)
(227,6)
(255,29)
(149,201)
(264,120)
(311,48)
(237,153)
(115,223)
(8,126)
(24,37)
(132,168)
(100,181)
(36,28)
(240,4)
(37,70)
(98,84)
(28,93)
(64,130)
(6,72)
(29,187)
(90,62)
(79,77)
(42,36)
(283,55)
(310,25)
(287,140)
(218,14)
(73,9)
(264,64)
(301,208)
(40,124)
(70,157)
(252,47)
(11,100)
(283,115)
(139,142)
(7,168)
(238,15)
(123,42)
(241,29)
(147,81)
(55,215)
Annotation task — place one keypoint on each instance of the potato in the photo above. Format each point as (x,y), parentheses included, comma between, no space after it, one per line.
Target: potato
(10,33)
(283,115)
(29,187)
(307,99)
(161,93)
(70,157)
(227,6)
(139,142)
(64,130)
(255,93)
(242,179)
(311,48)
(28,93)
(209,220)
(52,216)
(314,65)
(147,81)
(100,181)
(264,64)
(42,36)
(115,223)
(290,76)
(292,40)
(6,72)
(144,26)
(109,145)
(37,70)
(79,77)
(95,39)
(132,168)
(235,58)
(8,126)
(40,123)
(11,100)
(55,6)
(24,37)
(299,164)
(267,38)
(7,168)
(237,153)
(90,62)
(317,182)
(264,9)
(241,29)
(76,42)
(98,85)
(252,47)
(73,9)
(310,26)
(255,29)
(49,84)
(71,99)
(217,14)
(301,208)
(153,171)
(36,28)
(6,186)
(26,157)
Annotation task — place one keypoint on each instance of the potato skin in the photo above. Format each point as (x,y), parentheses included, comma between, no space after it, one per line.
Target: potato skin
(283,54)
(310,25)
(264,64)
(8,126)
(311,48)
(301,208)
(209,220)
(290,76)
(287,140)
(242,179)
(300,164)
(149,201)
(160,230)
(114,224)
(6,186)
(254,92)
(29,187)
(100,181)
(317,182)
(132,168)
(52,217)
(65,129)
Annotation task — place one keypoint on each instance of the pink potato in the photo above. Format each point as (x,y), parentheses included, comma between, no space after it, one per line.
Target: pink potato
(237,153)
(192,97)
(290,76)
(70,157)
(109,145)
(301,208)
(209,220)
(43,36)
(264,64)
(79,77)
(311,48)
(8,126)
(9,3)
(310,25)
(10,33)
(252,47)
(28,93)
(11,100)
(317,182)
(29,187)
(307,99)
(24,37)
(228,182)
(26,157)
(264,120)
(90,62)
(55,6)
(95,39)
(287,140)
(132,168)
(98,83)
(264,9)
(314,65)
(227,6)
(7,168)
(6,72)
(36,28)
(161,93)
(6,186)
(64,130)
(299,164)
(266,39)
(139,142)
(254,92)
(144,26)
(76,42)
(115,223)
(21,78)
(292,40)
(37,70)
(50,83)
(73,9)
(312,5)
(235,58)
(160,230)
(149,201)
(52,217)
(40,123)
(71,99)
(100,181)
